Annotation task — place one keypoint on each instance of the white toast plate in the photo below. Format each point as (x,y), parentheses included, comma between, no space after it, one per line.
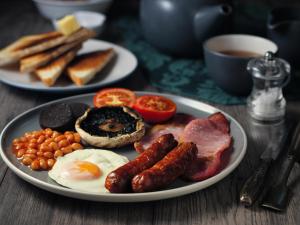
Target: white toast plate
(123,64)
(29,121)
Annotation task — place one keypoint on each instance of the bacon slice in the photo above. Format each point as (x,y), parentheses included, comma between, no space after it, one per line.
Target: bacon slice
(174,126)
(220,121)
(212,139)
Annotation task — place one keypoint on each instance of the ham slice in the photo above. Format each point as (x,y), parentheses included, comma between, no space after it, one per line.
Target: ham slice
(212,138)
(174,126)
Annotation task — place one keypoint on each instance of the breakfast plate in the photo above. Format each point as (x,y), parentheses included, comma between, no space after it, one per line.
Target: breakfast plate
(121,67)
(29,121)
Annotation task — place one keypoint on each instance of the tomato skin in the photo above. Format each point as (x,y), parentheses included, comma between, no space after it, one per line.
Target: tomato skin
(155,109)
(114,97)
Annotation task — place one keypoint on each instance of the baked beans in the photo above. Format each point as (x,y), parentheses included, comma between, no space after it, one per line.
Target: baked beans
(40,149)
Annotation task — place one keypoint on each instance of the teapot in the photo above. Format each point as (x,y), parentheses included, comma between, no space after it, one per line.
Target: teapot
(284,29)
(180,27)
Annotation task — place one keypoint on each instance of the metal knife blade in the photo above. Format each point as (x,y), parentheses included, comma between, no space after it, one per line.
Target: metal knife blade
(253,185)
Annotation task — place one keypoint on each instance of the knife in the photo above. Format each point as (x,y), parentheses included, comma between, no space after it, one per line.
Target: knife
(254,184)
(277,196)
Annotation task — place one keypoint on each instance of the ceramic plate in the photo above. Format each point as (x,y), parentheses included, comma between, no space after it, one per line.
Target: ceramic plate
(29,121)
(119,68)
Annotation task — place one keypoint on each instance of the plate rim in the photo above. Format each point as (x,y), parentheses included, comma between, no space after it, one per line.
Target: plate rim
(74,89)
(137,197)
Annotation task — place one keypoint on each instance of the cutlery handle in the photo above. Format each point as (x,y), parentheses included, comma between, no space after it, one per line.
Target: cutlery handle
(290,158)
(276,197)
(285,170)
(254,183)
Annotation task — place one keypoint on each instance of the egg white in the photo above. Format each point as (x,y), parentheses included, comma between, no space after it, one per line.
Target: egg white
(107,161)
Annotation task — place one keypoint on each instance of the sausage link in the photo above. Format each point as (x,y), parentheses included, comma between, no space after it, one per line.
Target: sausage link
(119,180)
(167,170)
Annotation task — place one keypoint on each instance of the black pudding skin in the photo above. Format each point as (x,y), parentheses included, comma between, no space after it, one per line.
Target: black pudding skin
(99,116)
(58,117)
(78,109)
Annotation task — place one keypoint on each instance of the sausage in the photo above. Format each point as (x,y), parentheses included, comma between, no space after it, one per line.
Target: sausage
(119,180)
(167,170)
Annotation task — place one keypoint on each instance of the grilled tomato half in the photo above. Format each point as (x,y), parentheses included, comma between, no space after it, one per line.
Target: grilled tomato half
(155,109)
(114,97)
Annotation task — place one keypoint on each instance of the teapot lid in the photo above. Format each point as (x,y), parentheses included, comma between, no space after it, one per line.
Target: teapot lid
(269,67)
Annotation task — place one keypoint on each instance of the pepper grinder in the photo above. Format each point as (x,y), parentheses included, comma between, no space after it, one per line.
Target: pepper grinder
(270,74)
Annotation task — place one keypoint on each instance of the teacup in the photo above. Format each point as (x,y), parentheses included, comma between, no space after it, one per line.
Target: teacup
(226,58)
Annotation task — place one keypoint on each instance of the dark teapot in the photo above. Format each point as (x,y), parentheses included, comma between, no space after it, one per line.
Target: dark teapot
(181,26)
(284,30)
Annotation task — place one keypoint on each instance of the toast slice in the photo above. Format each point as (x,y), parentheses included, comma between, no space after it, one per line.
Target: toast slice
(50,73)
(33,44)
(31,63)
(30,40)
(7,55)
(86,66)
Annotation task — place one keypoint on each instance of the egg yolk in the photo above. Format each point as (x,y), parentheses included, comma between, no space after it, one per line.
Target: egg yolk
(81,170)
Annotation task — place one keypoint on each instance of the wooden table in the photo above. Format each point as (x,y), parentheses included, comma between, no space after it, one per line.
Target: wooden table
(22,203)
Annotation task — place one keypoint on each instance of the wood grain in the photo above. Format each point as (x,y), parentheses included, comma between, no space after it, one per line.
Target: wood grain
(22,203)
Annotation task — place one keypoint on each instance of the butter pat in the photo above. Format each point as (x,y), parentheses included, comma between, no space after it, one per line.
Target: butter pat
(68,25)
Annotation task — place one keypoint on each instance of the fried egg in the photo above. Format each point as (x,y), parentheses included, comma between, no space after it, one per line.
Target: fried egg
(86,170)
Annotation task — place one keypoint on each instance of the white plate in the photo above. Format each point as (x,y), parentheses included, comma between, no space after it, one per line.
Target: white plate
(29,121)
(122,66)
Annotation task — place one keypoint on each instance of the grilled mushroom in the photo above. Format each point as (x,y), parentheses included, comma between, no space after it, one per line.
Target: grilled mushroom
(110,127)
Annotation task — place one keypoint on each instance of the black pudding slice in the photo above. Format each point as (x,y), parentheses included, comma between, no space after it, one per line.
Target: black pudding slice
(78,109)
(108,122)
(58,117)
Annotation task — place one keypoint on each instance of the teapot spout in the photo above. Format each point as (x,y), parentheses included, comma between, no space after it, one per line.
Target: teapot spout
(212,20)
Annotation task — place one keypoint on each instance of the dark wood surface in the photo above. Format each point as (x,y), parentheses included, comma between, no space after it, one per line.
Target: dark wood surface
(22,203)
